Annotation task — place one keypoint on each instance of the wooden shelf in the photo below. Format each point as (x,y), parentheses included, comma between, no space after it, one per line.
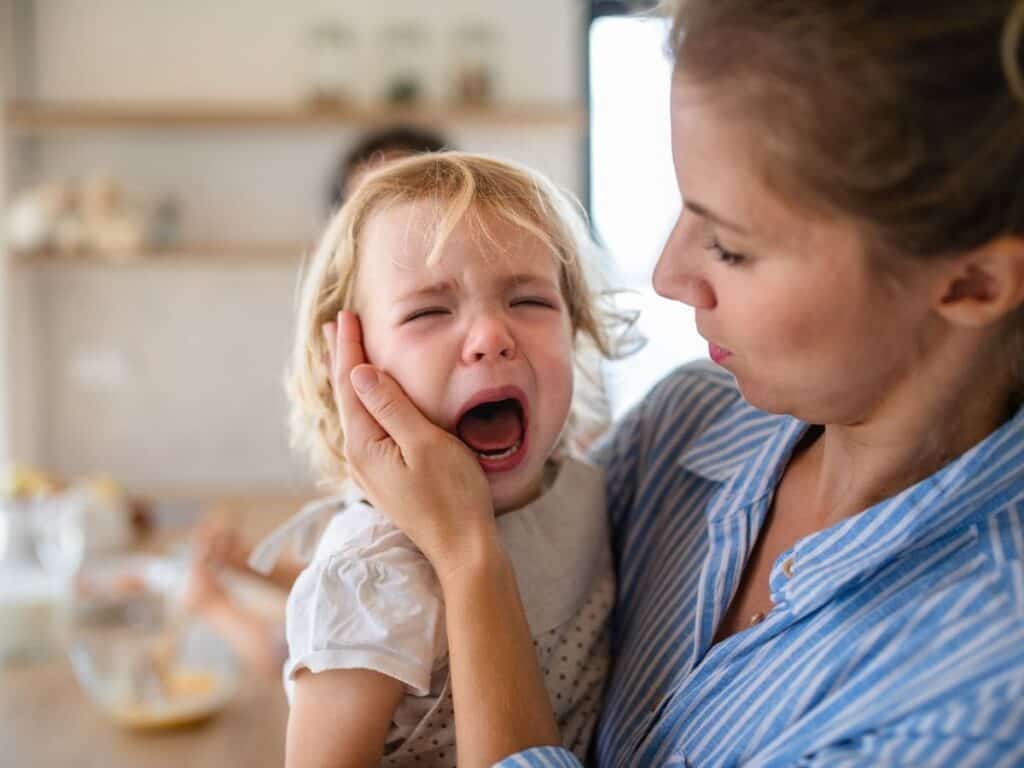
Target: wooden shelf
(208,254)
(33,118)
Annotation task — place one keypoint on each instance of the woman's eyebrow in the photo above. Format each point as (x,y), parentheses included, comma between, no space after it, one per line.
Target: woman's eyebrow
(700,210)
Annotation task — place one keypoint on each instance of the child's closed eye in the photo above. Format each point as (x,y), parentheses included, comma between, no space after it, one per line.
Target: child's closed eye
(535,301)
(425,312)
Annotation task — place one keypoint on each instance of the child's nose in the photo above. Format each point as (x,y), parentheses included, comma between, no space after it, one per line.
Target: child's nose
(489,338)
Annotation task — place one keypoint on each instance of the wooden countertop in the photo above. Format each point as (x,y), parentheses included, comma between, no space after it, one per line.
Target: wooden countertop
(47,720)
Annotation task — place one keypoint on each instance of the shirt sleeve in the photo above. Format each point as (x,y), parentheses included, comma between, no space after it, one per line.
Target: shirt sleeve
(891,750)
(370,601)
(619,455)
(541,757)
(979,732)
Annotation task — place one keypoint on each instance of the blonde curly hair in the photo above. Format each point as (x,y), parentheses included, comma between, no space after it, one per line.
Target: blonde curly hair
(464,187)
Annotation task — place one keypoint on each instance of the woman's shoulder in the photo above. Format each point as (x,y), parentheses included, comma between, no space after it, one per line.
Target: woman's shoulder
(693,399)
(695,407)
(691,381)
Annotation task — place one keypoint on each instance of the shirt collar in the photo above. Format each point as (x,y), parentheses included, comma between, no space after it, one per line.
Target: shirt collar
(978,484)
(558,545)
(746,450)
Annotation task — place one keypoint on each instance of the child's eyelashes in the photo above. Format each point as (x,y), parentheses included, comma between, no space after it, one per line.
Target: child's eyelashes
(538,302)
(534,301)
(426,312)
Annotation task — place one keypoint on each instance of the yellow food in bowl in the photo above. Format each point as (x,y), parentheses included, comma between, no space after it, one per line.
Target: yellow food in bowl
(189,696)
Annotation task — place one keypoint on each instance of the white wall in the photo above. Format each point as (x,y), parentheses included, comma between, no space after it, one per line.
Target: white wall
(169,377)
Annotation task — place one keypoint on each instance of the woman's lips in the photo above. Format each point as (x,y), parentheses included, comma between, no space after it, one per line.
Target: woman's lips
(718,354)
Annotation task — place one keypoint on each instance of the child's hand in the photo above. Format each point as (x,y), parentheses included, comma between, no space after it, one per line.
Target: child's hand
(203,589)
(422,477)
(218,545)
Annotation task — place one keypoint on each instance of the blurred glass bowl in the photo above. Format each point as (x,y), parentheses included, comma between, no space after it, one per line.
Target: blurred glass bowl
(133,651)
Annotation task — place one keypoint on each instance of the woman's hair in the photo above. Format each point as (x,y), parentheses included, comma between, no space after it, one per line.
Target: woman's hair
(464,188)
(906,116)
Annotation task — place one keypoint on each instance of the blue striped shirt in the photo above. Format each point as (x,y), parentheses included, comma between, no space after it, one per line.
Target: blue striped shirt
(896,637)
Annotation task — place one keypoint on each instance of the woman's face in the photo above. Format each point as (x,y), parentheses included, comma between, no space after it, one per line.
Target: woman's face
(788,301)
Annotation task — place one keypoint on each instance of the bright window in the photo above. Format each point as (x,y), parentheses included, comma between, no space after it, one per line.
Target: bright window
(633,195)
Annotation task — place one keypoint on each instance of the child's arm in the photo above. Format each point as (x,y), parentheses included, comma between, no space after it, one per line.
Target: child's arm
(433,488)
(340,718)
(257,639)
(220,544)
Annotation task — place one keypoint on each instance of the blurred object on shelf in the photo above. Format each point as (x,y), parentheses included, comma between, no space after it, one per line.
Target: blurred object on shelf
(331,53)
(404,47)
(95,217)
(32,217)
(473,79)
(114,222)
(165,226)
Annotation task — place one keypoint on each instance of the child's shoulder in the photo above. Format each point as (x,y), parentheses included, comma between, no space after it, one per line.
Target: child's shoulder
(355,528)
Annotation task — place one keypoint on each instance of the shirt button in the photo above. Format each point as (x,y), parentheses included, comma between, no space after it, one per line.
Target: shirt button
(787,567)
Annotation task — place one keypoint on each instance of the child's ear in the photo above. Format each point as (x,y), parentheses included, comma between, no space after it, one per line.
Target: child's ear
(982,287)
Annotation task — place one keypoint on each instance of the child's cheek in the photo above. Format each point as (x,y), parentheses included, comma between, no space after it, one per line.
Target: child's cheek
(413,360)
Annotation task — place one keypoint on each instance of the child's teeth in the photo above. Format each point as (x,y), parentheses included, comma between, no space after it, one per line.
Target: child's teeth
(503,455)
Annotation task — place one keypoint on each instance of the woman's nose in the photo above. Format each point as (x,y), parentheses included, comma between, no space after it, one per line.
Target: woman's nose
(677,275)
(489,339)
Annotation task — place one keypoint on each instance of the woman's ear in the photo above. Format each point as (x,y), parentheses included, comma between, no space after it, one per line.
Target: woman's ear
(983,286)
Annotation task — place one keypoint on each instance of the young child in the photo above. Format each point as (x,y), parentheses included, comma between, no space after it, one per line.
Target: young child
(466,274)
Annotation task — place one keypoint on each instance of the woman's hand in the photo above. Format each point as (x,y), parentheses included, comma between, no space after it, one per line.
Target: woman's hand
(431,485)
(422,477)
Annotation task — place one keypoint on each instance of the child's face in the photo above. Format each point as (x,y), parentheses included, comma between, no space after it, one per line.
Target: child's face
(480,340)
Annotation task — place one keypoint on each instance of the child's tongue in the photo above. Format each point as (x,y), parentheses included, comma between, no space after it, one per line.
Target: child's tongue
(492,427)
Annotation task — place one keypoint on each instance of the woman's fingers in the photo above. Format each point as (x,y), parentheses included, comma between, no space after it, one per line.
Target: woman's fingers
(345,347)
(390,407)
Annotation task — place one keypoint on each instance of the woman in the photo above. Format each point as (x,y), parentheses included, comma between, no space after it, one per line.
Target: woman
(819,542)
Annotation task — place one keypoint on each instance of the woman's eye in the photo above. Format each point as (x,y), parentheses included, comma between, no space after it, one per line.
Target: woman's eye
(428,312)
(730,258)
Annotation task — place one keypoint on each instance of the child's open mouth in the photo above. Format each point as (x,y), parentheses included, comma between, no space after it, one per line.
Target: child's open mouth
(496,431)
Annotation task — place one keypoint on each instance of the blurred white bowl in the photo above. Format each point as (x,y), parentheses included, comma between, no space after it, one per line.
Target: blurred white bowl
(134,652)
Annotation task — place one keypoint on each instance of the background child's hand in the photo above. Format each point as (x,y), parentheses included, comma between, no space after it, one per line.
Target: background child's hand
(423,478)
(203,589)
(218,544)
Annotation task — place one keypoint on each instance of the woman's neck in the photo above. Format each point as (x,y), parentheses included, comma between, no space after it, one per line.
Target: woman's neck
(931,419)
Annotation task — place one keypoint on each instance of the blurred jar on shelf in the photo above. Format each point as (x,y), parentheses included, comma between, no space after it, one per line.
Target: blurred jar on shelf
(331,49)
(405,50)
(474,63)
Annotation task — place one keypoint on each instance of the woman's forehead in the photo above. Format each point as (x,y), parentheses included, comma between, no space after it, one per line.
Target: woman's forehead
(720,160)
